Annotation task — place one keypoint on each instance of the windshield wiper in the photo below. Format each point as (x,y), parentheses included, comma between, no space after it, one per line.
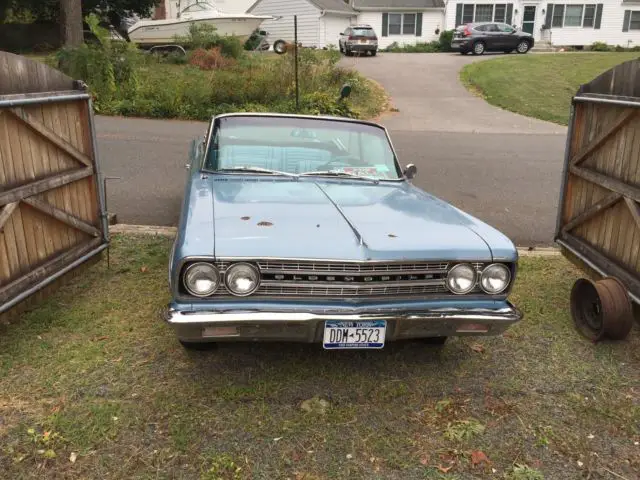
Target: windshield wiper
(255,170)
(329,173)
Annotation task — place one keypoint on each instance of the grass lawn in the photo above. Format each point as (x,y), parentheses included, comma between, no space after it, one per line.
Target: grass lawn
(94,385)
(539,86)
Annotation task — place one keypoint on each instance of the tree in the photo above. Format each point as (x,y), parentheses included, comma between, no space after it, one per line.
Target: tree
(71,23)
(50,9)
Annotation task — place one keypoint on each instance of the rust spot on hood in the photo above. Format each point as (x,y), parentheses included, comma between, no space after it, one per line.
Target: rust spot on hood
(391,235)
(265,224)
(245,218)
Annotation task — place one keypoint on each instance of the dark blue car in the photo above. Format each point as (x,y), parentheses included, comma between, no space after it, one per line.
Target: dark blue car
(298,228)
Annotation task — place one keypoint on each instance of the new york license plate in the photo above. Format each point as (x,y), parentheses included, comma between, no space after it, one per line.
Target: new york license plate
(360,334)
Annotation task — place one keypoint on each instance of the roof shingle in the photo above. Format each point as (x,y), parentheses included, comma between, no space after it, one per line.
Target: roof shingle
(382,4)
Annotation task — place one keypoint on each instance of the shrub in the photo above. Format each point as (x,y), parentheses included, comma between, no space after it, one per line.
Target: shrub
(211,59)
(105,66)
(204,36)
(423,47)
(446,36)
(600,47)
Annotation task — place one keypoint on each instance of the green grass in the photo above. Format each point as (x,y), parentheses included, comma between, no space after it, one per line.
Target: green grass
(539,86)
(95,376)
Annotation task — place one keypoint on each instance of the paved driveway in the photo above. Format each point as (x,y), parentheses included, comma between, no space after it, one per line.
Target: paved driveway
(501,167)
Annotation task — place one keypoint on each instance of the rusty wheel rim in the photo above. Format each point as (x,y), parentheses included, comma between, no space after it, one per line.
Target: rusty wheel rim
(617,308)
(586,309)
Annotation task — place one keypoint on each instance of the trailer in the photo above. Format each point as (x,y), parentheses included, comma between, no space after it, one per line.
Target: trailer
(598,223)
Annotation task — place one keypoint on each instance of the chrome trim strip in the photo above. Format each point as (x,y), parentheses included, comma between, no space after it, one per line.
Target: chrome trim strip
(353,285)
(504,314)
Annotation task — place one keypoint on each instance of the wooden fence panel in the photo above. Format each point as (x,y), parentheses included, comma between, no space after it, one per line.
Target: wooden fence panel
(51,202)
(599,212)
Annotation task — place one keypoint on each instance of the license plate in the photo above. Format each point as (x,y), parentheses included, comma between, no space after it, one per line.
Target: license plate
(364,41)
(361,334)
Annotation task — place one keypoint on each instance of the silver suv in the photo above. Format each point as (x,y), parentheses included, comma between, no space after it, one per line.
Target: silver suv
(358,38)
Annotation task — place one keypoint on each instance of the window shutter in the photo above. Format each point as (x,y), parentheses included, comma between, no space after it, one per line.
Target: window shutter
(598,16)
(547,22)
(458,15)
(627,18)
(509,19)
(419,25)
(385,24)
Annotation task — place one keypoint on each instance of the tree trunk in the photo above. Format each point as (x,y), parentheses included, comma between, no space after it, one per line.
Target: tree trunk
(71,23)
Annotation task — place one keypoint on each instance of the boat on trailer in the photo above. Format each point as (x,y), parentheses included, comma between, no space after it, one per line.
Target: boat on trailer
(150,33)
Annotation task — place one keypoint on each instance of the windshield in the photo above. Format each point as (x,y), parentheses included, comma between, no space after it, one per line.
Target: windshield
(198,7)
(301,146)
(363,32)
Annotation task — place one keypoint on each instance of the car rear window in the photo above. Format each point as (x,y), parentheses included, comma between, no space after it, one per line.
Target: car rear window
(363,32)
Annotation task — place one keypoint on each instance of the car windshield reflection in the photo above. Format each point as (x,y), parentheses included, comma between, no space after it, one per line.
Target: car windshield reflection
(301,146)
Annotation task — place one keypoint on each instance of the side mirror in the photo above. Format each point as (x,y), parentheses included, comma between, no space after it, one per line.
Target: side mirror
(345,91)
(410,171)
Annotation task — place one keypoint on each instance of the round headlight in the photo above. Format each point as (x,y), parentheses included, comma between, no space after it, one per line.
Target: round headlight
(201,279)
(461,278)
(242,279)
(495,278)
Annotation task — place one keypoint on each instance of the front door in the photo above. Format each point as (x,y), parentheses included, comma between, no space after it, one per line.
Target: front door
(529,19)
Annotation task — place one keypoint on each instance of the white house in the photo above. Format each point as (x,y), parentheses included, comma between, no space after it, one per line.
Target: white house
(573,23)
(320,22)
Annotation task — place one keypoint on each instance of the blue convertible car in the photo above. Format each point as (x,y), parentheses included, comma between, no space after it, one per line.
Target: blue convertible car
(298,228)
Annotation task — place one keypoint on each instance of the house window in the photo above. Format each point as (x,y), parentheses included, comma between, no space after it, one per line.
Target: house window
(409,24)
(483,12)
(402,23)
(558,15)
(467,13)
(395,23)
(634,19)
(589,15)
(573,16)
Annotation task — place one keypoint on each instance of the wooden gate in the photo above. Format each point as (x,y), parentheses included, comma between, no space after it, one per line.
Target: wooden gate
(52,215)
(599,215)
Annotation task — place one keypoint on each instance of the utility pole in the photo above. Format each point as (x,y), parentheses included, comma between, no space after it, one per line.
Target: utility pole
(71,23)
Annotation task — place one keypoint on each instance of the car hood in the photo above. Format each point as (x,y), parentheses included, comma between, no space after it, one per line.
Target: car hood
(339,220)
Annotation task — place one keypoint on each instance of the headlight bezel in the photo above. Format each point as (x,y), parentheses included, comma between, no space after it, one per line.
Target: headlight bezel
(229,271)
(507,283)
(473,283)
(192,291)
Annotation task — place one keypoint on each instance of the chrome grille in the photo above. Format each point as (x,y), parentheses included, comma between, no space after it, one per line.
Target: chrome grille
(347,279)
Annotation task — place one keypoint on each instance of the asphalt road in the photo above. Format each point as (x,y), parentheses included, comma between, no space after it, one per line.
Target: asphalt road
(501,167)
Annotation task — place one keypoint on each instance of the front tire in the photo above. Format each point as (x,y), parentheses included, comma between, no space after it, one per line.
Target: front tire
(374,53)
(347,52)
(523,47)
(479,48)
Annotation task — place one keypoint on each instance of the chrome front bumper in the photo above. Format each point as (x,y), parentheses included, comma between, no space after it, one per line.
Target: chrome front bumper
(206,326)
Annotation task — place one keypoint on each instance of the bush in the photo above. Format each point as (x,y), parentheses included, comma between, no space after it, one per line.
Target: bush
(428,47)
(446,36)
(600,47)
(203,36)
(211,59)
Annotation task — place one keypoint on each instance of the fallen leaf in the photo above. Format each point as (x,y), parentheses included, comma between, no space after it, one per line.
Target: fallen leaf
(144,269)
(349,456)
(444,469)
(73,457)
(580,463)
(477,347)
(315,405)
(424,460)
(478,457)
(100,339)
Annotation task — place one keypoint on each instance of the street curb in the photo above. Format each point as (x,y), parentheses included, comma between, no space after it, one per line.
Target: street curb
(171,232)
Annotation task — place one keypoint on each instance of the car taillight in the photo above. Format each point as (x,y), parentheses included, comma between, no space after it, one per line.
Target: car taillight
(351,37)
(467,31)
